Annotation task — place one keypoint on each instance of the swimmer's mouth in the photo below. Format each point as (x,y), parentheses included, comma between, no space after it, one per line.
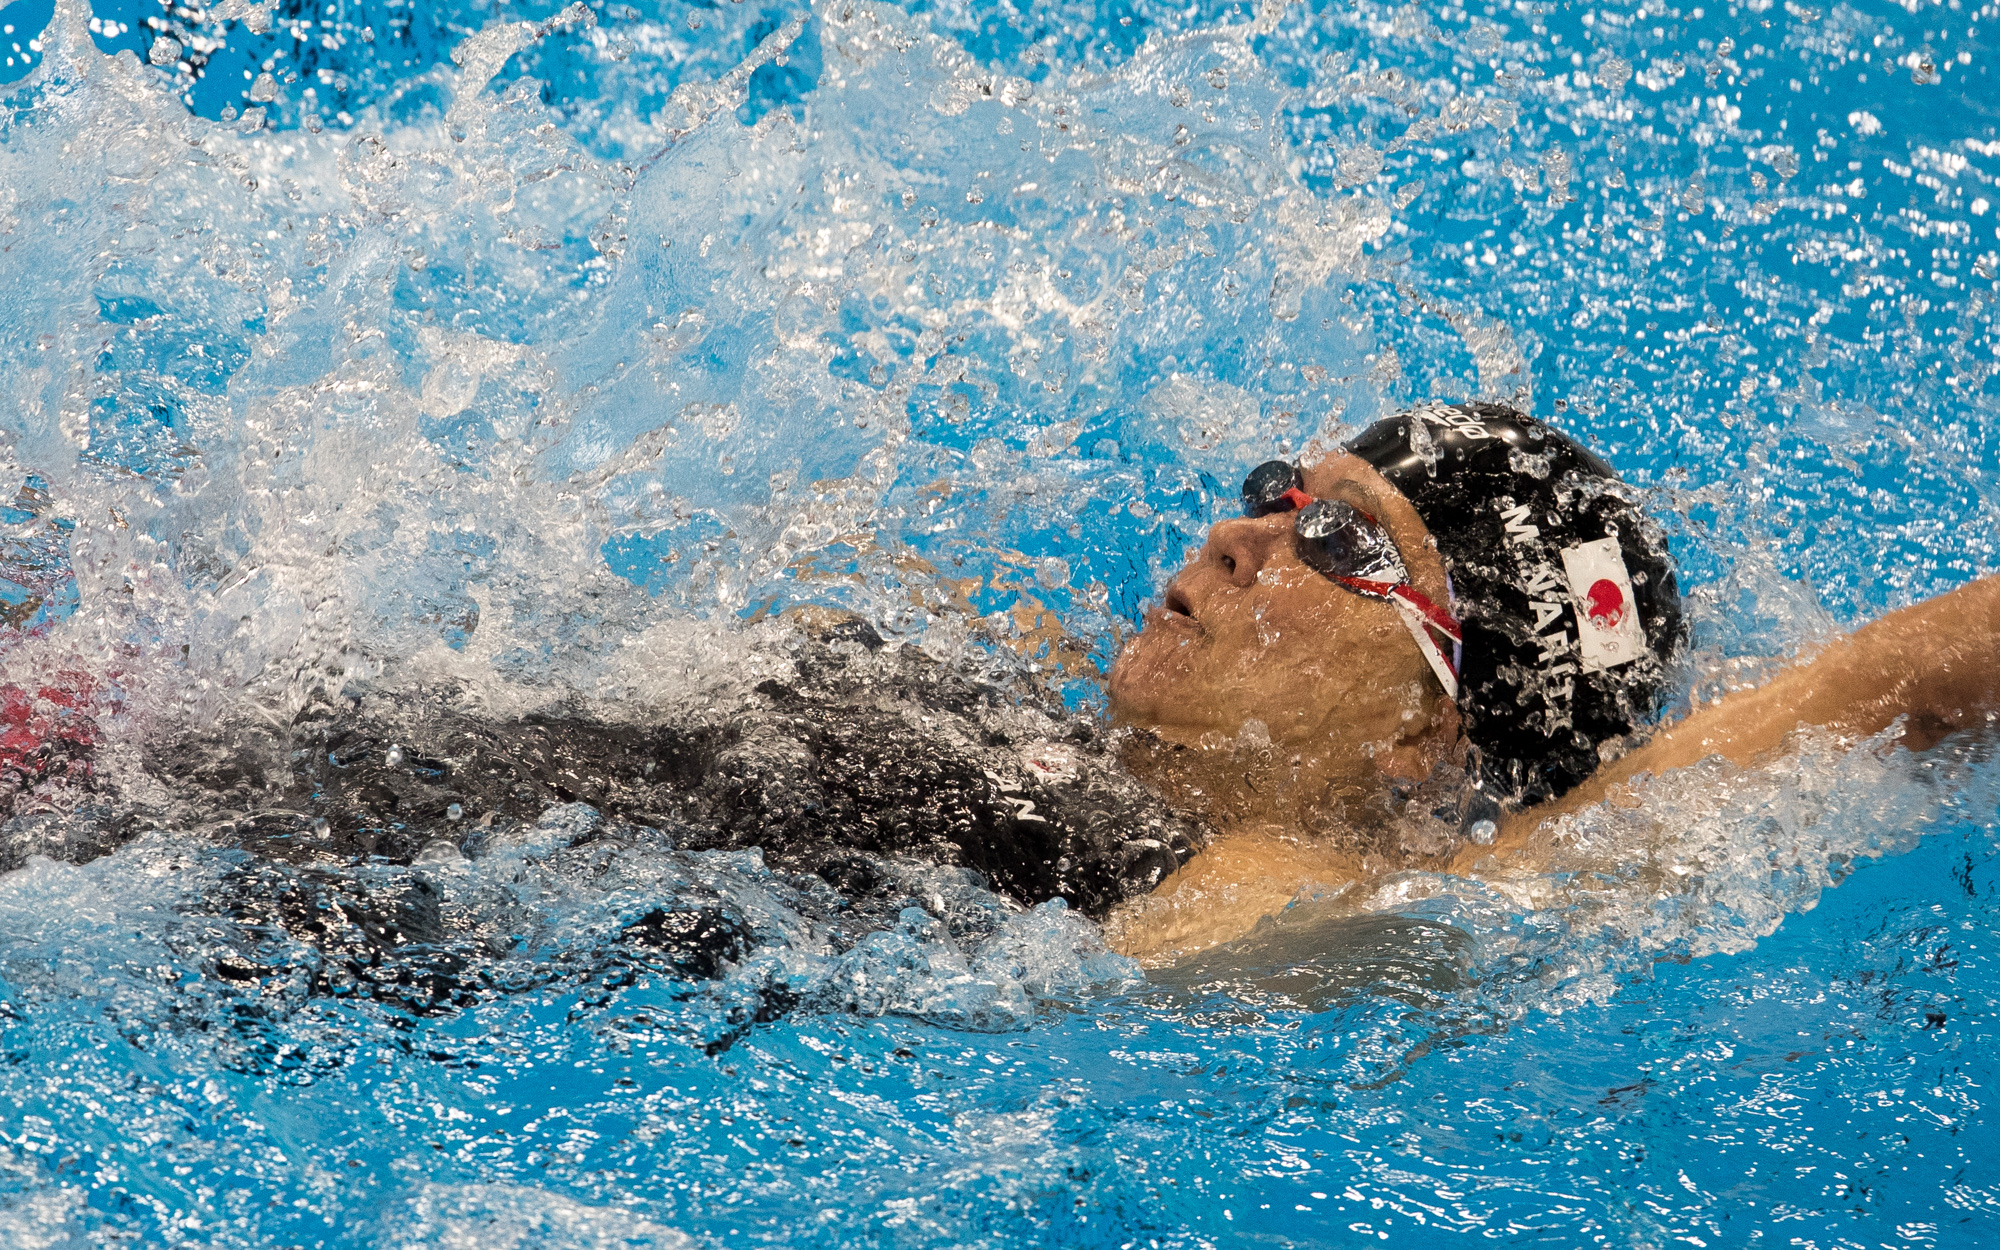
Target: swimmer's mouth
(1176,605)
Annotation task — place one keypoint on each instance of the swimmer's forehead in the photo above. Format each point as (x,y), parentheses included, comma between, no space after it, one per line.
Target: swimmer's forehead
(1342,475)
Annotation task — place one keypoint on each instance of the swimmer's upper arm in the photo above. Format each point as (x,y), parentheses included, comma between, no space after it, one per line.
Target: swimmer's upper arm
(1936,662)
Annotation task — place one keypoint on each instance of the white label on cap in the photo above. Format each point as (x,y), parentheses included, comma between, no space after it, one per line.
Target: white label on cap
(1607,620)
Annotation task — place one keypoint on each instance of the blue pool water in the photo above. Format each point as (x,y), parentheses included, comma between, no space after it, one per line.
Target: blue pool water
(536,359)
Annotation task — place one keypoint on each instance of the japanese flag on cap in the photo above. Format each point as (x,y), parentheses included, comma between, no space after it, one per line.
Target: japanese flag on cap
(1608,632)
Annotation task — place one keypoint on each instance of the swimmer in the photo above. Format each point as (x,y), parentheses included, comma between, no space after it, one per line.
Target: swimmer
(1457,628)
(1415,653)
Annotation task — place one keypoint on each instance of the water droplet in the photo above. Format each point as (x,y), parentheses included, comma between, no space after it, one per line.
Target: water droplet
(1614,73)
(1694,195)
(1483,832)
(454,812)
(1556,166)
(394,757)
(164,51)
(1359,165)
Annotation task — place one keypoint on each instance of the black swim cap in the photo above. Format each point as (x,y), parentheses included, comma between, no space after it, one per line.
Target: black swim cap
(1562,584)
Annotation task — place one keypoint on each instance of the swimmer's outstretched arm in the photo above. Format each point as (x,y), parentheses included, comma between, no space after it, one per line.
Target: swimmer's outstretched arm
(1936,663)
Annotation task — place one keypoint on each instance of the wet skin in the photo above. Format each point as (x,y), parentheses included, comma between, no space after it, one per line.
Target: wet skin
(1249,644)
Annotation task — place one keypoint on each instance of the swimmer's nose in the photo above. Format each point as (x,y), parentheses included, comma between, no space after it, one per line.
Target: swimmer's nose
(1240,548)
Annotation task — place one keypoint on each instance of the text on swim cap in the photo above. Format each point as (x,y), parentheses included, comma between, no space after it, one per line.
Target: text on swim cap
(1543,586)
(1457,420)
(1514,522)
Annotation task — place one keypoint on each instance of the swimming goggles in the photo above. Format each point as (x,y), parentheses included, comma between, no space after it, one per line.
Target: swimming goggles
(1345,544)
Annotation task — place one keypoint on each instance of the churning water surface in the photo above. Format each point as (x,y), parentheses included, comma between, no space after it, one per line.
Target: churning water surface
(517,362)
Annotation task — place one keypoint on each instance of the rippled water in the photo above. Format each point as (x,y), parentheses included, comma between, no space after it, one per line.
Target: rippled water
(513,363)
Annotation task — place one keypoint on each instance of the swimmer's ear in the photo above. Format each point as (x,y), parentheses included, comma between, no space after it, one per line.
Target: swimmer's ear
(1424,744)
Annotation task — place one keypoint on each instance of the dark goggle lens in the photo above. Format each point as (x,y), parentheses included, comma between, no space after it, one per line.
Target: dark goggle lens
(1339,540)
(1264,490)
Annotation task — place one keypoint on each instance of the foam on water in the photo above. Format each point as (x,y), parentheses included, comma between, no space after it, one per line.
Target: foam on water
(534,361)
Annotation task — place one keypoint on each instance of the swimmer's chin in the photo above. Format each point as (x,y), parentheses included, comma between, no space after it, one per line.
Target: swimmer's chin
(1152,717)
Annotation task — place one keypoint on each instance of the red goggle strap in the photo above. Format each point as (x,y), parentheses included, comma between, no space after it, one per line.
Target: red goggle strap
(1434,615)
(1420,616)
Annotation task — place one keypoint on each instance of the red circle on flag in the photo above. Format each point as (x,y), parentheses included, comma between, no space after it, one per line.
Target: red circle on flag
(1607,602)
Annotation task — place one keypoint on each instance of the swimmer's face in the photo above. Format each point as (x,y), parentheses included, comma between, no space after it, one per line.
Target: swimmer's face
(1247,632)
